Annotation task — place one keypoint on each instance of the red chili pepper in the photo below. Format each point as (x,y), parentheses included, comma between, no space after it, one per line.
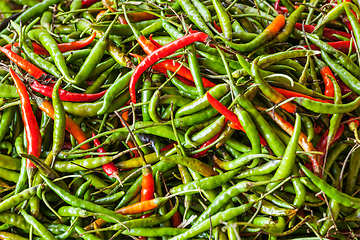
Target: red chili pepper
(67,146)
(66,47)
(170,65)
(132,145)
(176,219)
(183,72)
(290,94)
(187,82)
(158,45)
(164,51)
(317,129)
(277,7)
(140,16)
(325,72)
(217,27)
(168,147)
(110,169)
(122,21)
(343,46)
(328,32)
(33,135)
(309,166)
(46,90)
(63,47)
(344,88)
(229,115)
(88,3)
(321,147)
(224,111)
(22,63)
(207,143)
(154,42)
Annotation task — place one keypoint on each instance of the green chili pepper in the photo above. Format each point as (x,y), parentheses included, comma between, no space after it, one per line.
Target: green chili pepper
(109,216)
(94,57)
(51,46)
(332,192)
(288,160)
(194,16)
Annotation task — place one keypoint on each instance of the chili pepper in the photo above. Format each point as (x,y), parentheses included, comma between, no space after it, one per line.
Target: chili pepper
(142,206)
(322,145)
(332,192)
(18,198)
(37,225)
(353,126)
(194,16)
(108,168)
(94,57)
(343,46)
(119,85)
(290,94)
(325,71)
(65,95)
(33,57)
(193,75)
(88,3)
(265,36)
(217,27)
(353,173)
(63,47)
(51,46)
(288,159)
(328,33)
(14,219)
(192,163)
(289,26)
(208,142)
(215,220)
(287,127)
(110,199)
(33,12)
(6,120)
(354,23)
(75,5)
(70,126)
(147,187)
(45,20)
(267,90)
(25,65)
(224,19)
(33,136)
(76,202)
(136,188)
(163,52)
(59,121)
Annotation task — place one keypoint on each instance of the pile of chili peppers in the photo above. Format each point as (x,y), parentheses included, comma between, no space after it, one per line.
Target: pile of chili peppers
(184,119)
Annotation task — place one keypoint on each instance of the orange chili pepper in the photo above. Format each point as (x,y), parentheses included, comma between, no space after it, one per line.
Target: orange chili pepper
(142,206)
(71,125)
